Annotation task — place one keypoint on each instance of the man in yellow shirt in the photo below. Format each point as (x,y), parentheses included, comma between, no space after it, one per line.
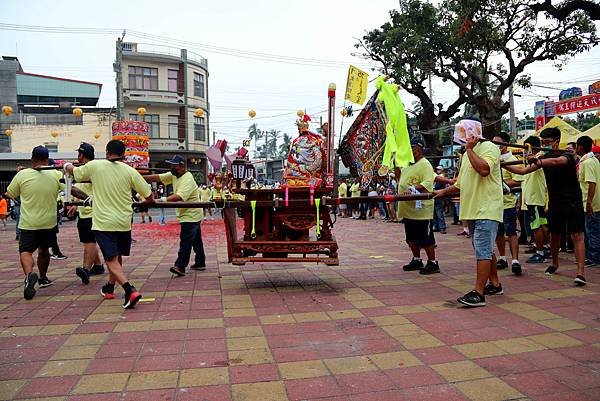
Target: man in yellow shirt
(354,193)
(185,189)
(343,193)
(508,227)
(91,259)
(112,182)
(205,196)
(37,225)
(417,215)
(534,193)
(481,205)
(589,180)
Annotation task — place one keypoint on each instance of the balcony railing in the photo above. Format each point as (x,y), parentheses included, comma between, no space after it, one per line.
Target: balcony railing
(146,95)
(150,48)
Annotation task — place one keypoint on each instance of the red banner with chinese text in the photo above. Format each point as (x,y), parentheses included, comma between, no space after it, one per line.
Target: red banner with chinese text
(578,104)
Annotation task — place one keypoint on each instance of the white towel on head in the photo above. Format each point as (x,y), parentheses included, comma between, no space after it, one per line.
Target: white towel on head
(466,129)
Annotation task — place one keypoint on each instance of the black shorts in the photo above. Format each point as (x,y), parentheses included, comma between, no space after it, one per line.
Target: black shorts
(570,216)
(419,232)
(113,243)
(508,226)
(31,240)
(84,227)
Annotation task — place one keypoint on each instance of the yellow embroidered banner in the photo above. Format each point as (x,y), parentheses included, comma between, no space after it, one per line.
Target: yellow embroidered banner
(356,85)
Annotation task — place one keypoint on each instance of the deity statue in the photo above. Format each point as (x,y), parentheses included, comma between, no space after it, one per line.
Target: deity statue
(305,158)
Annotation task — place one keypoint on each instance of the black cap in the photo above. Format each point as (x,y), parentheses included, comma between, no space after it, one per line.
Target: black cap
(87,150)
(177,159)
(40,153)
(417,141)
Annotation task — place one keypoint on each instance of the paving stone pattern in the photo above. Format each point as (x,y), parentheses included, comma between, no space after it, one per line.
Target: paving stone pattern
(362,331)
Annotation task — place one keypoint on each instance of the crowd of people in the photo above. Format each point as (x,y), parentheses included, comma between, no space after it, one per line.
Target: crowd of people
(557,206)
(557,198)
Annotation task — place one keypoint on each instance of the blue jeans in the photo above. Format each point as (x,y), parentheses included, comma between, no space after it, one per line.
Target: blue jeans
(190,237)
(439,219)
(592,237)
(483,234)
(161,216)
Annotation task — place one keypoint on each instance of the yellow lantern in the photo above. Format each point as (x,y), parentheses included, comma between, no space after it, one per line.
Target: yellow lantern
(300,113)
(344,112)
(252,113)
(199,113)
(54,134)
(77,112)
(97,135)
(141,111)
(8,132)
(7,110)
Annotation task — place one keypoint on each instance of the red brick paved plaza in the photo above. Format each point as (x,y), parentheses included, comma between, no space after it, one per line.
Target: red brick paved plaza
(362,331)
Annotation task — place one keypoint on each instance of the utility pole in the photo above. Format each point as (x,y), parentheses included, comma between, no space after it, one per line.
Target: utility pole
(118,68)
(266,155)
(513,120)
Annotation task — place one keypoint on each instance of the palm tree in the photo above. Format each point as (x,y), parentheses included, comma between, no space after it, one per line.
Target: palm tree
(256,134)
(284,148)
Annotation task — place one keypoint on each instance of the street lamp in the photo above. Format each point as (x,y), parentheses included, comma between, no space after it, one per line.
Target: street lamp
(238,169)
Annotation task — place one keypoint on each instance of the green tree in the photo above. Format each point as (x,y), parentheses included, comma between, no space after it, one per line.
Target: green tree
(481,46)
(284,148)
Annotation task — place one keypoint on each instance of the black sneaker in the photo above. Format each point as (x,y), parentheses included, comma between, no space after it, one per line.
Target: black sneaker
(551,270)
(580,281)
(491,290)
(516,268)
(44,282)
(413,265)
(108,291)
(430,268)
(131,298)
(536,258)
(198,267)
(472,299)
(30,281)
(58,256)
(178,271)
(83,274)
(501,264)
(96,270)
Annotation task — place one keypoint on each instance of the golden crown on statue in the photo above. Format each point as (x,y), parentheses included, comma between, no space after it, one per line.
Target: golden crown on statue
(302,123)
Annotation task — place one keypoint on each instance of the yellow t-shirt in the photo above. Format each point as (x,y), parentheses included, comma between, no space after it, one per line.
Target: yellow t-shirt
(205,194)
(355,190)
(589,171)
(85,212)
(186,187)
(38,191)
(510,200)
(343,190)
(112,183)
(422,173)
(534,188)
(481,197)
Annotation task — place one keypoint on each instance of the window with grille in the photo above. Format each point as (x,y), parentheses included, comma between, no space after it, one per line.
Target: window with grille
(153,121)
(199,129)
(198,85)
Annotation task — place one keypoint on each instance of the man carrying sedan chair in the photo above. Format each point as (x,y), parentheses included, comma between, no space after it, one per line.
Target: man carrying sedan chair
(185,189)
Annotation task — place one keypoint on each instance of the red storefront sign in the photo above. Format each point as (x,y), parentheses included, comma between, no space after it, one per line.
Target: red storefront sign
(582,103)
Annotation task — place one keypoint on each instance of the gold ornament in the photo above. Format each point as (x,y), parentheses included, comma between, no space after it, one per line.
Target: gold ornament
(7,110)
(344,112)
(300,113)
(8,132)
(97,135)
(77,112)
(252,113)
(199,113)
(54,134)
(141,111)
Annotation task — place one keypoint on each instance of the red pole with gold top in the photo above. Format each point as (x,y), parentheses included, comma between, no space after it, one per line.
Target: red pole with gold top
(330,134)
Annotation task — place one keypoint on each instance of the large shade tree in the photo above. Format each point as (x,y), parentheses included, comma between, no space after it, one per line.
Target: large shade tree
(481,46)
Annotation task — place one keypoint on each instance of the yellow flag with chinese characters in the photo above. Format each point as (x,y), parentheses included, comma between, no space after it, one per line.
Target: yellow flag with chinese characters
(356,85)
